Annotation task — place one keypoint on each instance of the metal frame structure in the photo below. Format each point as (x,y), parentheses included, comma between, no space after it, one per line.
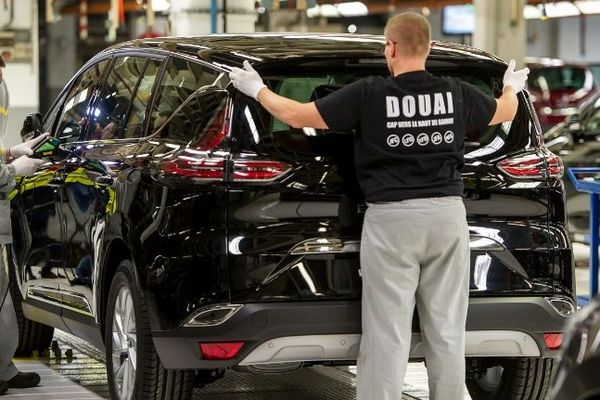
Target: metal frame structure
(589,181)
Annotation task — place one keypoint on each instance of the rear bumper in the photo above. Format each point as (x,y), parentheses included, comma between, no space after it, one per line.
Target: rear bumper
(330,331)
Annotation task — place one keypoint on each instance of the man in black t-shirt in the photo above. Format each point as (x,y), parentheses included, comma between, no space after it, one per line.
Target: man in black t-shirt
(415,241)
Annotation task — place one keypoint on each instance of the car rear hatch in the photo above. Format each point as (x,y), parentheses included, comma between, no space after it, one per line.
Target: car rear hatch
(295,235)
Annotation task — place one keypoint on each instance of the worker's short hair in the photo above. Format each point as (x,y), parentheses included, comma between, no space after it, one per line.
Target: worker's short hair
(411,33)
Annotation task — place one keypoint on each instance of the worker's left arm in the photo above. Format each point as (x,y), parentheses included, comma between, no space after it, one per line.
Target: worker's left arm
(291,112)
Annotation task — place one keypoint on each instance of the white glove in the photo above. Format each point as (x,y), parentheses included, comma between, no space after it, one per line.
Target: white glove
(247,80)
(513,78)
(25,166)
(25,149)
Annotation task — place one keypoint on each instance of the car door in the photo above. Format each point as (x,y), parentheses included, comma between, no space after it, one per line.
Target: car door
(116,123)
(38,249)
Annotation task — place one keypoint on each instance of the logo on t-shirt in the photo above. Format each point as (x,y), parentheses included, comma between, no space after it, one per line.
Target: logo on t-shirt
(408,140)
(393,140)
(436,138)
(449,137)
(423,139)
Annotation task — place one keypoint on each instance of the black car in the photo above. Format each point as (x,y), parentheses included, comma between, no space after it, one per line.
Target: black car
(186,231)
(576,376)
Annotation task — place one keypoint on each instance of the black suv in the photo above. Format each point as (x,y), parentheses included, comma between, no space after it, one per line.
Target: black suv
(185,231)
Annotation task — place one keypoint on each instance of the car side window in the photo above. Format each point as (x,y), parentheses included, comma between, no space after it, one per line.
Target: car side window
(174,110)
(75,112)
(120,109)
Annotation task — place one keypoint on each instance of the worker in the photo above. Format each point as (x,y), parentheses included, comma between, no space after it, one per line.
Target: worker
(415,239)
(14,162)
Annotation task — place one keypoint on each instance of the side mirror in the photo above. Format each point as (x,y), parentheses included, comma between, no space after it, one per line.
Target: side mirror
(33,126)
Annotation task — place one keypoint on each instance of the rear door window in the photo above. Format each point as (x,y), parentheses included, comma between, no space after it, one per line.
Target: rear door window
(120,110)
(189,104)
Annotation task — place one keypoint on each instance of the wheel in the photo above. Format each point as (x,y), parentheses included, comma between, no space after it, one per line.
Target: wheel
(33,336)
(509,378)
(134,369)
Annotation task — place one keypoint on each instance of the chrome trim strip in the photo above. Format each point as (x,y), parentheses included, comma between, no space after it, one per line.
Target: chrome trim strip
(325,245)
(493,343)
(36,294)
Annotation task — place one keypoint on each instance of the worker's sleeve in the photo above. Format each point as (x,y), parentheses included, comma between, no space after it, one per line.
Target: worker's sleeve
(7,179)
(479,108)
(342,108)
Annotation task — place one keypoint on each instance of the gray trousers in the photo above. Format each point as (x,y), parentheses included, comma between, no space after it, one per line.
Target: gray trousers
(9,330)
(414,252)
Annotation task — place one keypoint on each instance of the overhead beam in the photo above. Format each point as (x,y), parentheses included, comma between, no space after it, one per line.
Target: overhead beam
(378,6)
(102,8)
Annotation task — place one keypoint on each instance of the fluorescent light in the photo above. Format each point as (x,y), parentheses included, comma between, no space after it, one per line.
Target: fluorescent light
(160,5)
(561,9)
(532,12)
(329,10)
(353,9)
(313,11)
(588,6)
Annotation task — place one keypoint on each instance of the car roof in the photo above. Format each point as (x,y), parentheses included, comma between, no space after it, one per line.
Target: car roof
(228,50)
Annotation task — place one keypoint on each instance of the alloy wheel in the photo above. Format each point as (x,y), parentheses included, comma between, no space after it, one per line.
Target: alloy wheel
(124,344)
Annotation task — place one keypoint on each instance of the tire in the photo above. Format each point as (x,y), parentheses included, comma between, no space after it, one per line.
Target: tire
(33,336)
(510,379)
(150,380)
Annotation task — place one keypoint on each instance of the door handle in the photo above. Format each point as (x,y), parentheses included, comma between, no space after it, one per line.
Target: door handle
(104,180)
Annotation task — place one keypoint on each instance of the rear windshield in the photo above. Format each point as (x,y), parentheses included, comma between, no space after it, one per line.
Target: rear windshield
(311,85)
(557,78)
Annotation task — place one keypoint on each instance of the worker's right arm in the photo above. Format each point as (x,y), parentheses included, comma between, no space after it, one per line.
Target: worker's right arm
(291,112)
(507,103)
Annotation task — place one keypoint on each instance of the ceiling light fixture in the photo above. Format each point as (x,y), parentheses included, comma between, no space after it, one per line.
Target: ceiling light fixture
(588,6)
(560,9)
(351,9)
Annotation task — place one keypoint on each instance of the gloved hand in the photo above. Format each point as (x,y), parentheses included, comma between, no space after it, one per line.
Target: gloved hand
(247,80)
(25,166)
(513,78)
(25,149)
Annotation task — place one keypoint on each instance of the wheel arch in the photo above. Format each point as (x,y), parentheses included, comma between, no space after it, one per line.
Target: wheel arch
(116,252)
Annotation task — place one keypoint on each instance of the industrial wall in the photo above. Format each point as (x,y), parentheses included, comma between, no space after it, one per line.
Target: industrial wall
(19,45)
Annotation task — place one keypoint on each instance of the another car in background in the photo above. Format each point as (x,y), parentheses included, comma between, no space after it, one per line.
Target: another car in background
(576,376)
(557,88)
(577,141)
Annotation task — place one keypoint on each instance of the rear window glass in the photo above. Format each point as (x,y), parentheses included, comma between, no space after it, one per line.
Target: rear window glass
(557,78)
(311,86)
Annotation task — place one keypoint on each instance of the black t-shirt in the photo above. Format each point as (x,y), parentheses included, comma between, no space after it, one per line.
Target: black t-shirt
(410,132)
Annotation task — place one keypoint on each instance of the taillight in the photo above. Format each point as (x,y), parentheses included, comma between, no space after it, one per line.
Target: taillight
(533,166)
(258,170)
(214,169)
(202,168)
(220,351)
(553,340)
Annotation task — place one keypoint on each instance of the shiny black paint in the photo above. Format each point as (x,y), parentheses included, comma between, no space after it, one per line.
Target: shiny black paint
(196,243)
